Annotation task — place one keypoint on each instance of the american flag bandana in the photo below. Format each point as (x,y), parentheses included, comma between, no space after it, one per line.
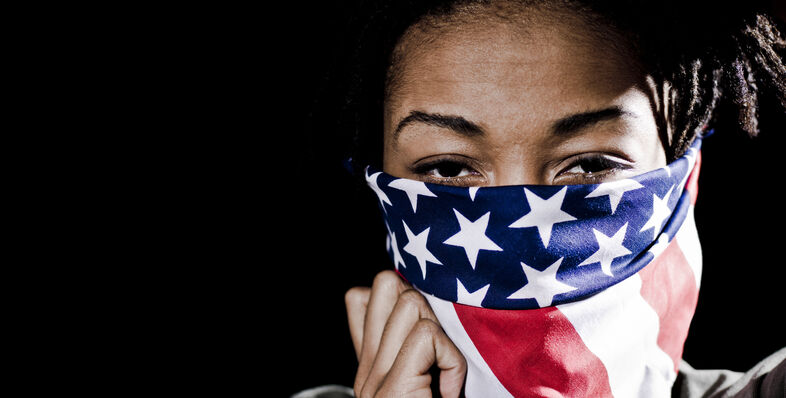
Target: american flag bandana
(551,291)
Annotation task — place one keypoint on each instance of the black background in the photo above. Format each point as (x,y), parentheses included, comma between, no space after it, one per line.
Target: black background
(331,237)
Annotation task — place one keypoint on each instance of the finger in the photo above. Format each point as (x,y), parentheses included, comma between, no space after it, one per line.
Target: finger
(356,300)
(426,345)
(384,294)
(409,309)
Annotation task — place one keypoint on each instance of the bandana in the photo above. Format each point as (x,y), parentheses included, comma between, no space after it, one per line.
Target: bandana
(572,290)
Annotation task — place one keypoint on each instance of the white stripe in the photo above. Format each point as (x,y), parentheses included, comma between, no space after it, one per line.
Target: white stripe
(481,381)
(688,239)
(621,329)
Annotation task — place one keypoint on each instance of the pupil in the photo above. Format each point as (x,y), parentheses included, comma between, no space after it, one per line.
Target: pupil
(449,169)
(593,165)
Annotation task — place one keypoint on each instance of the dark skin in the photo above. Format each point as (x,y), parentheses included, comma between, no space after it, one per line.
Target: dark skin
(488,103)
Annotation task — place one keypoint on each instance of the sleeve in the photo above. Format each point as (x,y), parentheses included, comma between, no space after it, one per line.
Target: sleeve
(329,391)
(765,380)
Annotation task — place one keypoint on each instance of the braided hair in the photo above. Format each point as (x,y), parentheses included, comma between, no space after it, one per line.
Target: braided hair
(704,58)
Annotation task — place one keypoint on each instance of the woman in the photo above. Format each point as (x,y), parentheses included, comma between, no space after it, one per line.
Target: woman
(524,94)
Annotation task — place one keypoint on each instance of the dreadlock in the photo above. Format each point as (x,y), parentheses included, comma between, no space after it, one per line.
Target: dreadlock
(711,57)
(703,56)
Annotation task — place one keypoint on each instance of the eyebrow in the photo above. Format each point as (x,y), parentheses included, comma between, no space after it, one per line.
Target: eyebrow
(565,126)
(455,123)
(574,123)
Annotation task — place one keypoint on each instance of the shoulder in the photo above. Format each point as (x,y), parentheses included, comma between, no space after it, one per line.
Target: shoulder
(766,379)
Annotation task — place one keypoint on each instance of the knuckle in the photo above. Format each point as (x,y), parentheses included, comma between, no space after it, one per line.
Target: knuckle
(425,327)
(387,280)
(410,299)
(355,295)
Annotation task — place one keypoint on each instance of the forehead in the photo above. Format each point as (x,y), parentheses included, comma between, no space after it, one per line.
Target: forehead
(541,66)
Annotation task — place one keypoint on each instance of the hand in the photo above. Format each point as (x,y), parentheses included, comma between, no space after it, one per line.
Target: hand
(397,339)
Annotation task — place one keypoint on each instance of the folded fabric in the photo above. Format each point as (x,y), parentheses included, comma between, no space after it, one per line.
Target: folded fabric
(573,290)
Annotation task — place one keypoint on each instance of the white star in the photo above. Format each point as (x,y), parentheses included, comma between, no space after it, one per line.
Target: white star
(660,212)
(472,192)
(609,249)
(544,214)
(396,254)
(473,299)
(667,169)
(372,182)
(472,236)
(417,247)
(542,285)
(615,190)
(412,188)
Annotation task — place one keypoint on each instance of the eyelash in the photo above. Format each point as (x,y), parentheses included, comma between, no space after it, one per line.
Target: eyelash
(425,170)
(609,167)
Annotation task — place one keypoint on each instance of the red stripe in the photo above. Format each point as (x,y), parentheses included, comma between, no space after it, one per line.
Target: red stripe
(669,286)
(401,275)
(535,352)
(692,185)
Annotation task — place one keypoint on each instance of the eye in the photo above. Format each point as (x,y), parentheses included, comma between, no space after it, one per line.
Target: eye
(446,171)
(592,165)
(592,169)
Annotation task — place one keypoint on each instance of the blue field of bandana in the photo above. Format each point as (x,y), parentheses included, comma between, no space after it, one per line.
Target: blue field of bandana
(529,246)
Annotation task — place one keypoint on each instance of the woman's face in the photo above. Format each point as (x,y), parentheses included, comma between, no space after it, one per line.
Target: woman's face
(487,103)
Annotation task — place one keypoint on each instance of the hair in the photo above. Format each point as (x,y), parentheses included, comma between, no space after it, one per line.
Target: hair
(704,57)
